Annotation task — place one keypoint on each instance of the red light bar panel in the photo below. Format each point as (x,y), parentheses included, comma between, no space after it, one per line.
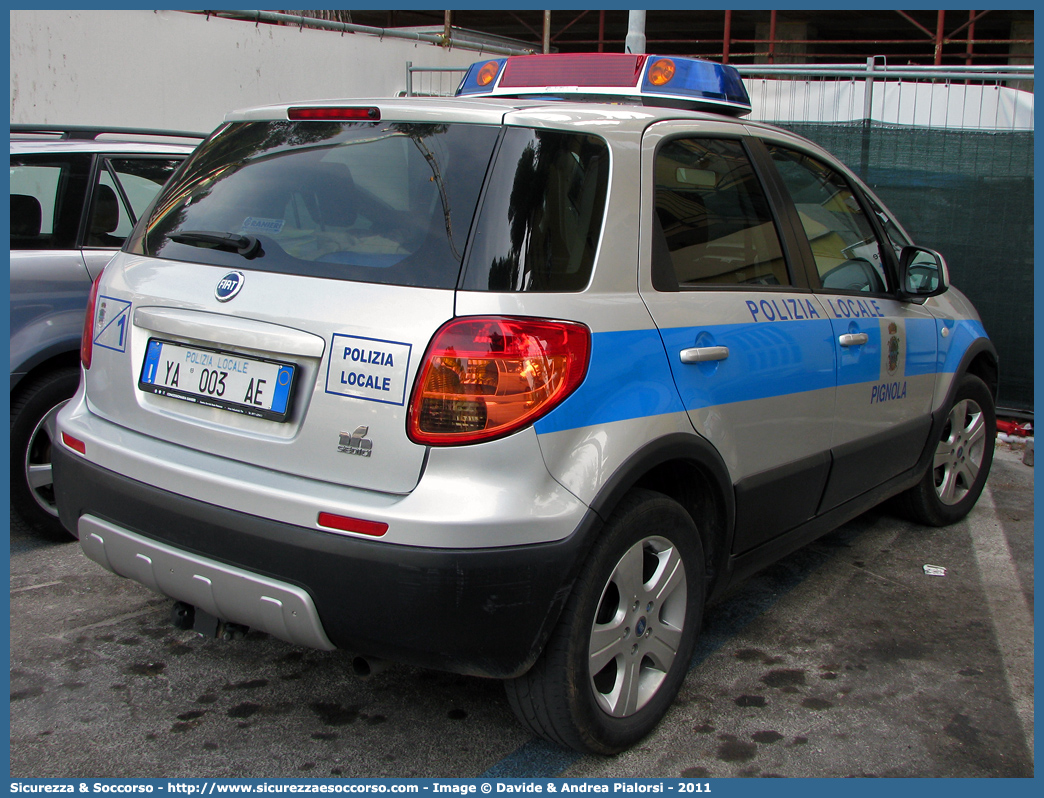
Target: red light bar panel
(335,114)
(573,69)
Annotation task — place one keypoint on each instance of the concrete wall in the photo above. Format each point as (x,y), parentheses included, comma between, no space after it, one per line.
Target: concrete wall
(179,71)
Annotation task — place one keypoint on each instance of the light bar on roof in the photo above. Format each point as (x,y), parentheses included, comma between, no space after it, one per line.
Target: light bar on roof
(649,79)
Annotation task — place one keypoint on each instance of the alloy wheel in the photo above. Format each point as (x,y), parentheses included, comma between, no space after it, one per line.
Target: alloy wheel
(958,457)
(638,627)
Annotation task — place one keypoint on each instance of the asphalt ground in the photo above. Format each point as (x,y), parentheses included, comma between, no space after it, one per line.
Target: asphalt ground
(845,659)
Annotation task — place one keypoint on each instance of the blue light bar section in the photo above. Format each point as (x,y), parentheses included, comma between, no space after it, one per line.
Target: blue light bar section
(695,85)
(702,81)
(470,83)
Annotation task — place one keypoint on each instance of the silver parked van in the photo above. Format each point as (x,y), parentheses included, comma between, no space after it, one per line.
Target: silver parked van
(511,384)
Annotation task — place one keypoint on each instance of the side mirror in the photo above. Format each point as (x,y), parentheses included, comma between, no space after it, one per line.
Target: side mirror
(922,273)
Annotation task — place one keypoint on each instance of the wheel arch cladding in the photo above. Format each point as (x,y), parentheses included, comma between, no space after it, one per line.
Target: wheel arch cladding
(689,470)
(984,365)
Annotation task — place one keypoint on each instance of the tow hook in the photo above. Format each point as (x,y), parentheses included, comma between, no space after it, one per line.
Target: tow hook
(182,615)
(185,616)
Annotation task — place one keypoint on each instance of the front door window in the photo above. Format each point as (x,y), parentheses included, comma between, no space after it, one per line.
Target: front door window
(845,248)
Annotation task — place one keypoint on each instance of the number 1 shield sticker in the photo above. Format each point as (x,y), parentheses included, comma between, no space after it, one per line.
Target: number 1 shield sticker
(112,323)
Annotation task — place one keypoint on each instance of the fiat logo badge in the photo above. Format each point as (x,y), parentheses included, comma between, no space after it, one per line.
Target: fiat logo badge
(228,286)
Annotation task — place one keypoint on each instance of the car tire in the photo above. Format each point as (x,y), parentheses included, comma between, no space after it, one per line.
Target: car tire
(961,461)
(622,647)
(33,411)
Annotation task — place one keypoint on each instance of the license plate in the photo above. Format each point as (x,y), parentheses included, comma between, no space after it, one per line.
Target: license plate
(212,378)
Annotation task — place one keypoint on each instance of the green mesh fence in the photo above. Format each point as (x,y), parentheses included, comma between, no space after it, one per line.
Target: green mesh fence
(968,194)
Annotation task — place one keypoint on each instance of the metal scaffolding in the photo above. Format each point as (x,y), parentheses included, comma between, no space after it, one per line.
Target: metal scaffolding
(922,37)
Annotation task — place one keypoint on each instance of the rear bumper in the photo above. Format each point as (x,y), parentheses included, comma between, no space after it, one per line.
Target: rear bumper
(222,590)
(476,611)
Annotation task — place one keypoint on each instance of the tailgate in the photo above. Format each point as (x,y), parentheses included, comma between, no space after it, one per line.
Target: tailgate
(328,365)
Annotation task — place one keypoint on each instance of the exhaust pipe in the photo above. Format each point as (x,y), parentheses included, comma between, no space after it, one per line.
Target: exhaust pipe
(365,667)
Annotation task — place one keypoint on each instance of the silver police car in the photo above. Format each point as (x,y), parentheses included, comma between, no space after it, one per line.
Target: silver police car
(513,383)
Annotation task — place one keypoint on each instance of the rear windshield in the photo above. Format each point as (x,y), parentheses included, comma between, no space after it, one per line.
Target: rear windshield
(377,202)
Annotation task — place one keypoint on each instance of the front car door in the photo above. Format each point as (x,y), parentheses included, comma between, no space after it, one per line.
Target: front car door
(885,348)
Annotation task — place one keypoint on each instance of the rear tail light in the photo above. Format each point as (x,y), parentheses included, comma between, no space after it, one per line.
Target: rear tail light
(485,377)
(87,339)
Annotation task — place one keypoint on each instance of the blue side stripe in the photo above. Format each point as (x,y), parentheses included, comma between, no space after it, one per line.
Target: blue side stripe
(765,359)
(921,335)
(629,375)
(922,339)
(952,347)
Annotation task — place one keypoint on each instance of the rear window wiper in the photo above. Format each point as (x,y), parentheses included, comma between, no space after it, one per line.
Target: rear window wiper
(247,246)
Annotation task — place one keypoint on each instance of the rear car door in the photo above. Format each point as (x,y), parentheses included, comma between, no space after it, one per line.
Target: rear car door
(750,346)
(885,347)
(49,281)
(70,212)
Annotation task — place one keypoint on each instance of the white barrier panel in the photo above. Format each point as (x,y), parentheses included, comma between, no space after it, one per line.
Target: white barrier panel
(918,104)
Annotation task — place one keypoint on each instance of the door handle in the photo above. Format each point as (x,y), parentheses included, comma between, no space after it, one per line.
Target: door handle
(853,339)
(703,354)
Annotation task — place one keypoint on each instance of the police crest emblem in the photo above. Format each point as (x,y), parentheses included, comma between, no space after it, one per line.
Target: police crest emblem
(893,347)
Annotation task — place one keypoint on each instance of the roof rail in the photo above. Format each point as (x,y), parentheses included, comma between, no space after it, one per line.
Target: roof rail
(89,132)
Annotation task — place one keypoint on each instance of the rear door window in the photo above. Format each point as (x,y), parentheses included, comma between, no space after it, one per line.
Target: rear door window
(122,192)
(714,223)
(46,200)
(379,202)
